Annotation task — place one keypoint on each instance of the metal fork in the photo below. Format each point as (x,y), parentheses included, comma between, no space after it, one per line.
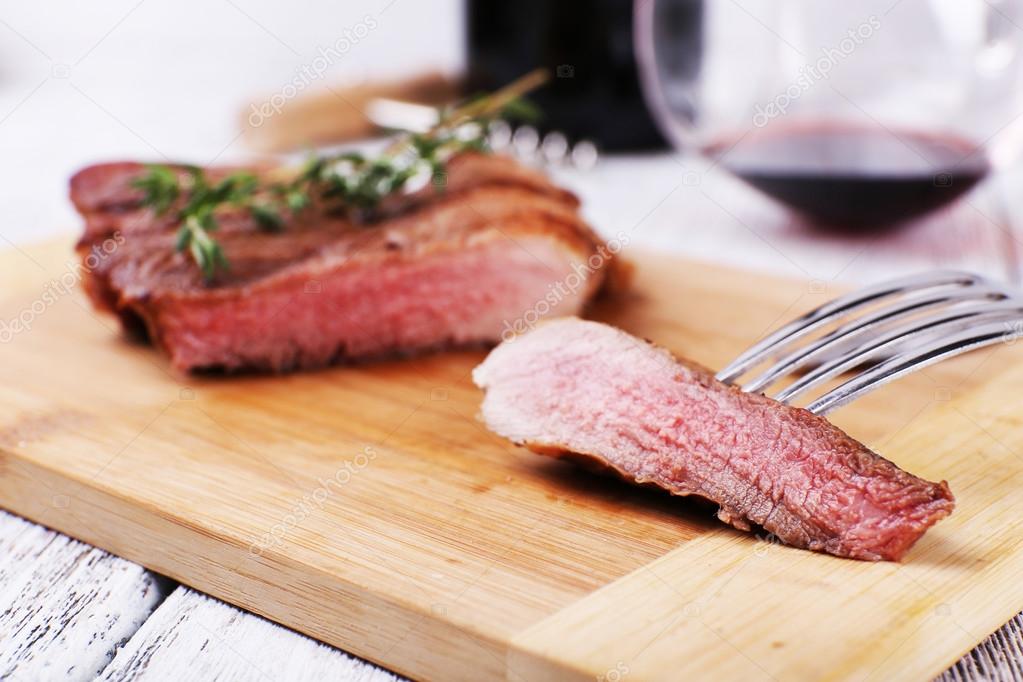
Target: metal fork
(883,332)
(523,142)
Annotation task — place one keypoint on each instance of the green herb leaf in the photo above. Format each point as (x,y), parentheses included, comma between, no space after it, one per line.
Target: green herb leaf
(160,188)
(348,181)
(267,217)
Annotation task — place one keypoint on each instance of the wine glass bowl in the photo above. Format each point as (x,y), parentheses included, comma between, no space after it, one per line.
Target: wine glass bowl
(857,115)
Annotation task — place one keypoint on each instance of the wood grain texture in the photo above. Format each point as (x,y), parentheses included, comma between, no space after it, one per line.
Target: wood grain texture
(215,642)
(65,606)
(366,506)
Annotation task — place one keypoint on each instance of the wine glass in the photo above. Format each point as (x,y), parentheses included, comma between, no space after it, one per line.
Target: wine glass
(857,114)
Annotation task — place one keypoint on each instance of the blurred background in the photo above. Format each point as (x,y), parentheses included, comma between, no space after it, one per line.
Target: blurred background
(152,79)
(231,81)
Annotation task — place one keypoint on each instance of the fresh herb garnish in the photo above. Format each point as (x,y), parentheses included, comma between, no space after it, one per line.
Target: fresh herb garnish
(349,182)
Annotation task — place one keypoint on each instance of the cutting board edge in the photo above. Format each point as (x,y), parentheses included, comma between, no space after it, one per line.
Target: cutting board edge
(531,655)
(234,585)
(520,651)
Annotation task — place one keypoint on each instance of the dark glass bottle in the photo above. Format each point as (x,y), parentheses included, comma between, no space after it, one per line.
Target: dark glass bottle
(586,45)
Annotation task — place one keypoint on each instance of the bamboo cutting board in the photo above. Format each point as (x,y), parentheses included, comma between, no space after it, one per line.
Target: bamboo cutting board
(367,507)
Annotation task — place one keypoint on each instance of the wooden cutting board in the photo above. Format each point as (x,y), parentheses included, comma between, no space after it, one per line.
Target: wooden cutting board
(367,507)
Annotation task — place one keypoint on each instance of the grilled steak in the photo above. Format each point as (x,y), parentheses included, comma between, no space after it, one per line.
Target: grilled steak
(444,268)
(584,389)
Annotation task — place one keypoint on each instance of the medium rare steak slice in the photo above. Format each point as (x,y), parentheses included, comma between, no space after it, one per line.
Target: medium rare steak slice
(450,268)
(572,387)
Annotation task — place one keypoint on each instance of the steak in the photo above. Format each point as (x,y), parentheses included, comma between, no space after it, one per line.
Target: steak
(587,390)
(444,268)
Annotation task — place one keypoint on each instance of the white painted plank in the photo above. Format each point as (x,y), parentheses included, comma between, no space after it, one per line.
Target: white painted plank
(65,606)
(999,658)
(201,637)
(216,642)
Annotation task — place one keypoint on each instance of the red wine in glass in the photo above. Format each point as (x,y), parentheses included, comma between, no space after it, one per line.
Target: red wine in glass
(854,178)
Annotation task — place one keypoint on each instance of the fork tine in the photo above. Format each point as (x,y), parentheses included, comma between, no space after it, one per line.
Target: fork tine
(1005,311)
(899,365)
(842,336)
(843,305)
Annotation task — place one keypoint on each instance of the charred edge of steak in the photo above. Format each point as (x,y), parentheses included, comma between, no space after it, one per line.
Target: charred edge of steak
(156,269)
(102,194)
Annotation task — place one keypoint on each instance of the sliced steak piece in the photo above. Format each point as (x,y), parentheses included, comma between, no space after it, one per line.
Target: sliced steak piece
(451,268)
(572,387)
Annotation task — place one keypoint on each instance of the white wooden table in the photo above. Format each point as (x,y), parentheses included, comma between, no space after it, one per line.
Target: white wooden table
(68,611)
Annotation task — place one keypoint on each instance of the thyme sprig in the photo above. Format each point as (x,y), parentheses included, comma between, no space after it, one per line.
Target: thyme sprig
(348,182)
